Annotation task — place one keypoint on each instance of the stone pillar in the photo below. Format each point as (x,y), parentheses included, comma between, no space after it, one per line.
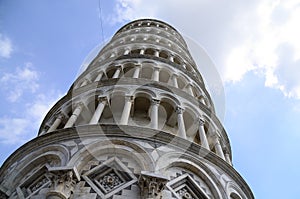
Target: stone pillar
(184,66)
(137,70)
(154,113)
(201,99)
(180,121)
(190,90)
(56,123)
(174,80)
(126,52)
(218,147)
(62,184)
(99,76)
(171,58)
(85,82)
(202,134)
(152,185)
(74,115)
(142,51)
(117,73)
(227,157)
(126,110)
(98,112)
(155,76)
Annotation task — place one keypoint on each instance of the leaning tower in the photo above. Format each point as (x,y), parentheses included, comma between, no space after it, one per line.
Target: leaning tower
(137,123)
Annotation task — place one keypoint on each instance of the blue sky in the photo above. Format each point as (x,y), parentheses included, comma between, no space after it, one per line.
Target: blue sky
(255,46)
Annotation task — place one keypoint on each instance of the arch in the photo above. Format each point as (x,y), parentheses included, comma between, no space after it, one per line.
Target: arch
(112,147)
(54,155)
(234,191)
(194,165)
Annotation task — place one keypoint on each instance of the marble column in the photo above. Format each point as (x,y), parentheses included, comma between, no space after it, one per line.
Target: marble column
(142,51)
(171,58)
(218,147)
(180,121)
(202,134)
(156,53)
(126,52)
(227,157)
(85,82)
(190,90)
(137,70)
(154,113)
(201,98)
(117,73)
(99,76)
(155,76)
(98,112)
(174,80)
(126,110)
(74,115)
(56,123)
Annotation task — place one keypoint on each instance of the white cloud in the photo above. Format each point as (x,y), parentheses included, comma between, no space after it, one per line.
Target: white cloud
(21,127)
(22,121)
(241,36)
(24,79)
(5,47)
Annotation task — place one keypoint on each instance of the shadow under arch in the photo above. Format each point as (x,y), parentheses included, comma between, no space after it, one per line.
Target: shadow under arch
(112,147)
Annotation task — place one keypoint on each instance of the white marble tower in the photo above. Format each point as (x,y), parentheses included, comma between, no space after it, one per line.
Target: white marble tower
(137,123)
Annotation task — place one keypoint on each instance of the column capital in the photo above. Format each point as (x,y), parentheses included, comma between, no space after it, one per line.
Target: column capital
(79,104)
(152,184)
(138,65)
(59,115)
(179,110)
(155,101)
(62,182)
(102,98)
(201,121)
(128,98)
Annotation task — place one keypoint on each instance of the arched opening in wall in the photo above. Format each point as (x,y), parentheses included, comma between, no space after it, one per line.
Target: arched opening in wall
(114,72)
(147,70)
(140,115)
(177,60)
(164,76)
(117,102)
(167,117)
(181,82)
(234,196)
(135,51)
(149,51)
(164,55)
(128,69)
(190,123)
(189,67)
